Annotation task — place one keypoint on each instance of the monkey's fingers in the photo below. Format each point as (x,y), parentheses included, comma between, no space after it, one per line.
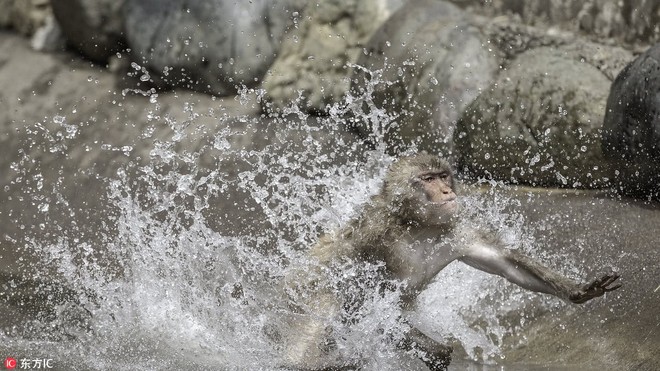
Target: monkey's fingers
(613,278)
(601,285)
(606,280)
(608,289)
(606,285)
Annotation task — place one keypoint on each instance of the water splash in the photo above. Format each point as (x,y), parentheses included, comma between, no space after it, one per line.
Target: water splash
(157,282)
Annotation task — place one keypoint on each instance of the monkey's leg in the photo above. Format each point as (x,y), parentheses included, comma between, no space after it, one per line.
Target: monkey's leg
(435,355)
(310,337)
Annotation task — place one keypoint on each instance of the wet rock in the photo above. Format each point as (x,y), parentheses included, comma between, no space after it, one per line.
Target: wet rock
(634,20)
(314,60)
(511,37)
(631,21)
(428,63)
(5,13)
(209,46)
(607,59)
(631,130)
(49,37)
(25,16)
(94,27)
(540,123)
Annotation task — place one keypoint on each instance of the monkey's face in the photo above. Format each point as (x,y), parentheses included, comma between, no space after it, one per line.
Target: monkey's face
(437,200)
(420,189)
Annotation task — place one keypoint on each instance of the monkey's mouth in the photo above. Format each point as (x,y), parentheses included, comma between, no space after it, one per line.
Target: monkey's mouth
(445,202)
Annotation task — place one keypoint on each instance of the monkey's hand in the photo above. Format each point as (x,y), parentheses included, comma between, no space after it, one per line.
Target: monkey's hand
(436,356)
(595,289)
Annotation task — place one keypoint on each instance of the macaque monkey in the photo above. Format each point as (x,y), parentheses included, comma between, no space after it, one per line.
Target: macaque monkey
(411,228)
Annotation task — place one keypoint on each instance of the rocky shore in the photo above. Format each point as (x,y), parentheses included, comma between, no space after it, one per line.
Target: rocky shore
(519,92)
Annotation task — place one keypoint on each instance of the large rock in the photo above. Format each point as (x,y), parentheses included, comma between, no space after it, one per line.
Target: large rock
(94,27)
(209,46)
(540,123)
(631,131)
(314,62)
(427,64)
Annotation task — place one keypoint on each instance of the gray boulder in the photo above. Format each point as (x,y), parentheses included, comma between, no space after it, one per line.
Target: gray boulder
(540,123)
(94,27)
(315,59)
(209,46)
(427,64)
(631,131)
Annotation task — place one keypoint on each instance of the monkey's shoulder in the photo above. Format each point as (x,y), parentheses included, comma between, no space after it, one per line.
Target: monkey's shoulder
(331,246)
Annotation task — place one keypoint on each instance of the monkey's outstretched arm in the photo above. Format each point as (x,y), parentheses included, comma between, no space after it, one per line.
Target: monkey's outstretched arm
(531,275)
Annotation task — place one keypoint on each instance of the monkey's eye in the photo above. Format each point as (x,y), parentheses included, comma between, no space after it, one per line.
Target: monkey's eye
(433,176)
(428,177)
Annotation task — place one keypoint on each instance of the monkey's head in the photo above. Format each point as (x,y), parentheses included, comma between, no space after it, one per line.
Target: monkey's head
(420,189)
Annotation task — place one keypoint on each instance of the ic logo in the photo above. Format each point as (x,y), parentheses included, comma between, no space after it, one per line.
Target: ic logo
(10,363)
